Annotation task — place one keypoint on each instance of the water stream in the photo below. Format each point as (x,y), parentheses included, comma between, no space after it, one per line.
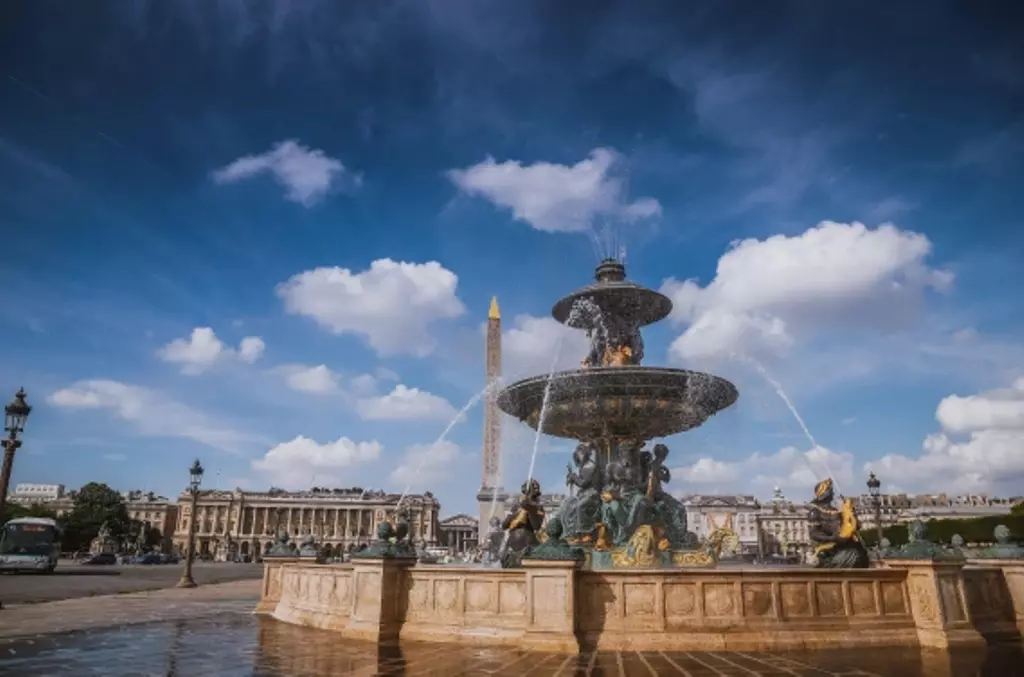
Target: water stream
(444,434)
(780,391)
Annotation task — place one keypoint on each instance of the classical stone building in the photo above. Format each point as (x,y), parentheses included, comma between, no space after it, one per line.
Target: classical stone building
(782,528)
(707,513)
(459,532)
(244,522)
(154,511)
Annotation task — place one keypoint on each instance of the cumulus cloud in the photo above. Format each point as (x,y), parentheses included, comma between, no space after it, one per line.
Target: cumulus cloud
(153,413)
(307,174)
(977,451)
(391,304)
(769,294)
(553,197)
(794,470)
(406,404)
(319,379)
(426,465)
(532,345)
(202,349)
(301,462)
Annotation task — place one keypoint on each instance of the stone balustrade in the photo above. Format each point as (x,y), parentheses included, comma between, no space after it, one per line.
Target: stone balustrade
(554,606)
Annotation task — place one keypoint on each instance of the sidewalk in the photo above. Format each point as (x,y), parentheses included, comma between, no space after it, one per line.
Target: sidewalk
(130,608)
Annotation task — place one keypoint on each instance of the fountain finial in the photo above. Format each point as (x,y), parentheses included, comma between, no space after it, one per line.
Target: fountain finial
(494,313)
(610,270)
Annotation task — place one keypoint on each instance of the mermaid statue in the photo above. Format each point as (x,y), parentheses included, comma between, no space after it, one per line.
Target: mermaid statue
(834,530)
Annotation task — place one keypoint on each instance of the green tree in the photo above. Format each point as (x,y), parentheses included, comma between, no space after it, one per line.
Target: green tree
(1018,509)
(95,504)
(35,510)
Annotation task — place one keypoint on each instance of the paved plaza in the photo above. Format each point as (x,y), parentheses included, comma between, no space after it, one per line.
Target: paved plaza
(76,580)
(210,631)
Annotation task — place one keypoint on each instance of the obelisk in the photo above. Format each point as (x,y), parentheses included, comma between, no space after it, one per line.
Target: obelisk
(491,475)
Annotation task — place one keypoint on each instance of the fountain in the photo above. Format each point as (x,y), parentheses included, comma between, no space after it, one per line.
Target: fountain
(615,567)
(620,516)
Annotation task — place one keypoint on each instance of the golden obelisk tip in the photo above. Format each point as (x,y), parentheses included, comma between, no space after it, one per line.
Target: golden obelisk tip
(494,313)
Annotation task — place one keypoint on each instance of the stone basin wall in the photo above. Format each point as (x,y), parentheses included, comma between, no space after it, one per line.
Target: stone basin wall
(554,606)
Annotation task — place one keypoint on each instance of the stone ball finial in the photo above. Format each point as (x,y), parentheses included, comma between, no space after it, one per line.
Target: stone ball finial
(1002,534)
(916,531)
(957,541)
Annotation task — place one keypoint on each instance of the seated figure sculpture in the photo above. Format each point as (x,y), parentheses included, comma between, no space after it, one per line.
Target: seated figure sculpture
(834,530)
(523,524)
(579,511)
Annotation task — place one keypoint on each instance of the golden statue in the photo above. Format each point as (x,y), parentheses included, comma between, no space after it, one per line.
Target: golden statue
(835,531)
(617,357)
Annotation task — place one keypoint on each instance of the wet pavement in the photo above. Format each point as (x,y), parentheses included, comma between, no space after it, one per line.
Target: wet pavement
(234,643)
(71,581)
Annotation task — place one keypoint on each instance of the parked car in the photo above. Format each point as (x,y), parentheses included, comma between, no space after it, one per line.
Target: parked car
(151,558)
(101,558)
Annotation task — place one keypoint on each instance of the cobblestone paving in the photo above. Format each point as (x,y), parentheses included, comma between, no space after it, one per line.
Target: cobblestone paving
(210,631)
(76,580)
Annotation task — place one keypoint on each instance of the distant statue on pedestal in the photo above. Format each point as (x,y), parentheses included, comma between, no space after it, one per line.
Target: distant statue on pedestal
(523,525)
(835,531)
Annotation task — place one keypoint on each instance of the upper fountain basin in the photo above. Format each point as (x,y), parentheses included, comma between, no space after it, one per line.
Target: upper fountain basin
(625,301)
(635,403)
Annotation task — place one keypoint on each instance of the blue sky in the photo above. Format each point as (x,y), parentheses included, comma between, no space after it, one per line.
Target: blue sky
(269,237)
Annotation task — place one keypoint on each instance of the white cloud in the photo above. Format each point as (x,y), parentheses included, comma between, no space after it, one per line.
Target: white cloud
(553,197)
(406,404)
(988,456)
(302,462)
(794,470)
(392,304)
(995,410)
(153,413)
(426,465)
(767,295)
(533,344)
(319,379)
(202,349)
(306,174)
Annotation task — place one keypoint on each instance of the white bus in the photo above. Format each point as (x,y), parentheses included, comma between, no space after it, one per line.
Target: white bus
(30,544)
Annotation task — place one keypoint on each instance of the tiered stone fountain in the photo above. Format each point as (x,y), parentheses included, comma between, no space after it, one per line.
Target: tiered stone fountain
(614,568)
(620,515)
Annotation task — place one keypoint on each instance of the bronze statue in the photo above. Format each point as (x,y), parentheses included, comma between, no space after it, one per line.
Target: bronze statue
(523,526)
(835,531)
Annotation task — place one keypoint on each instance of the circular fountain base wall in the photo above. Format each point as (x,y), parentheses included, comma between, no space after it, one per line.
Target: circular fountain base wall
(634,403)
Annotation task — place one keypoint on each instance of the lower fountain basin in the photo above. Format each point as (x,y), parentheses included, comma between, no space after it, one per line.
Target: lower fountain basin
(620,402)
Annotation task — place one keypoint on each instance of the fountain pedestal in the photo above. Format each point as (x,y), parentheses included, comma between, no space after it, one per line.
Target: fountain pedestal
(938,603)
(551,605)
(270,592)
(378,585)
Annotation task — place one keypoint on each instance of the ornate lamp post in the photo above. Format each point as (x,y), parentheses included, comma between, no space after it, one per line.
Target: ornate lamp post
(15,415)
(873,487)
(195,479)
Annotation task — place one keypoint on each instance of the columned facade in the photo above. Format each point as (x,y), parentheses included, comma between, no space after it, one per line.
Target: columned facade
(243,523)
(459,533)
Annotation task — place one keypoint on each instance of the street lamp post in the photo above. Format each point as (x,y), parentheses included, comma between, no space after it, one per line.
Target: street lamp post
(195,479)
(873,488)
(15,415)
